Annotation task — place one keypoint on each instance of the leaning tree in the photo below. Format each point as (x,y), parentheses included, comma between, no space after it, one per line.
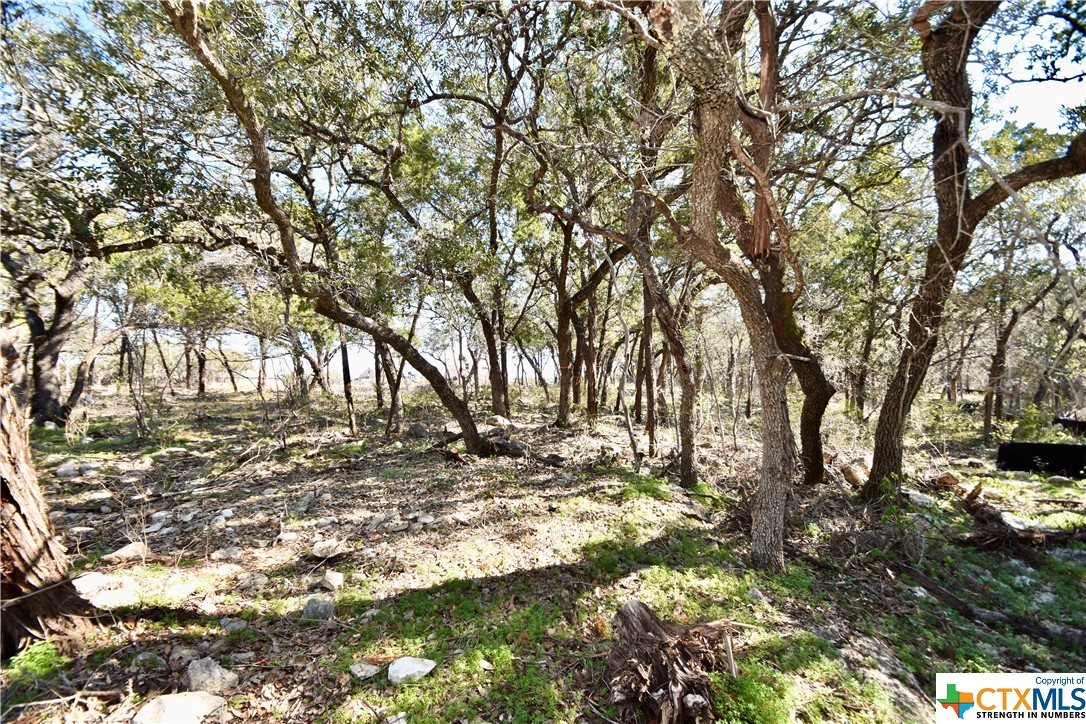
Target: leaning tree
(946,49)
(38,597)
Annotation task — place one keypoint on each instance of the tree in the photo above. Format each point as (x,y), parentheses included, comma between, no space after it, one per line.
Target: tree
(38,598)
(945,52)
(706,59)
(185,20)
(87,175)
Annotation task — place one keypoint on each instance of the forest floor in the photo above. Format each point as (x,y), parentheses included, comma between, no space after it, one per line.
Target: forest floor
(507,573)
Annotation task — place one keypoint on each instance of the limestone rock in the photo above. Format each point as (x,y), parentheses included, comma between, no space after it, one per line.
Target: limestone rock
(181,656)
(318,609)
(189,707)
(418,431)
(232,625)
(362,670)
(207,675)
(409,668)
(129,552)
(329,548)
(917,498)
(67,469)
(149,660)
(498,421)
(302,505)
(333,580)
(251,581)
(230,553)
(1058,480)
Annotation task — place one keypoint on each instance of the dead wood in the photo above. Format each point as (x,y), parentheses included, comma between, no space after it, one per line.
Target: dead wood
(993,529)
(1066,635)
(658,672)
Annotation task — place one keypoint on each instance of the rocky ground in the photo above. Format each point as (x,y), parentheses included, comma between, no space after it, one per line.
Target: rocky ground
(254,564)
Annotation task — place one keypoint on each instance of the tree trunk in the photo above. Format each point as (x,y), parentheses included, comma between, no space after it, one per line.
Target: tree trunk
(46,403)
(348,392)
(650,388)
(188,361)
(945,52)
(83,372)
(817,390)
(564,340)
(476,444)
(378,375)
(229,369)
(162,359)
(261,373)
(38,598)
(591,378)
(578,356)
(394,423)
(201,369)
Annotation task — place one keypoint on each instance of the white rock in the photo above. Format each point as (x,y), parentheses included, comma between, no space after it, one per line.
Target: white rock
(234,624)
(917,498)
(498,421)
(251,580)
(182,656)
(362,670)
(82,531)
(302,505)
(756,596)
(332,580)
(397,718)
(1044,598)
(230,553)
(67,469)
(90,583)
(327,522)
(161,515)
(49,425)
(327,548)
(207,675)
(425,518)
(154,528)
(1058,480)
(189,707)
(409,668)
(460,518)
(90,468)
(129,552)
(285,536)
(269,491)
(226,513)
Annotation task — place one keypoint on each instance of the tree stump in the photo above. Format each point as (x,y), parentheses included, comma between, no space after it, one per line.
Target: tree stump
(38,598)
(660,670)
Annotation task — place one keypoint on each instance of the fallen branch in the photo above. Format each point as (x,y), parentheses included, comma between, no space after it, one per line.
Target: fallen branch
(1060,634)
(993,529)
